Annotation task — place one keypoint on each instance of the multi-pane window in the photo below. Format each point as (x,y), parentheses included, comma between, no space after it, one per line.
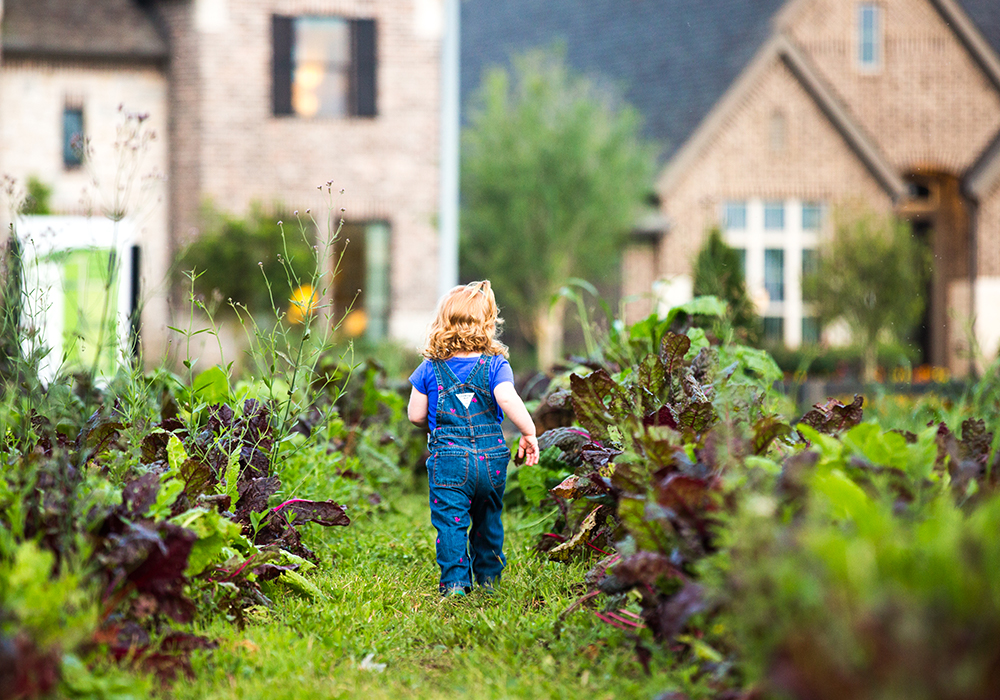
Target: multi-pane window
(774,273)
(741,254)
(810,330)
(324,66)
(774,216)
(72,136)
(809,266)
(812,216)
(735,215)
(869,36)
(776,242)
(361,285)
(774,329)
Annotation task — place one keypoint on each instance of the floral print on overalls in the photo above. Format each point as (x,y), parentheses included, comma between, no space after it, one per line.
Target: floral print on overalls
(467,472)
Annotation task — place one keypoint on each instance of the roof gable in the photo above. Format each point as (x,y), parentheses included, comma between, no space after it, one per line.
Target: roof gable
(673,59)
(92,29)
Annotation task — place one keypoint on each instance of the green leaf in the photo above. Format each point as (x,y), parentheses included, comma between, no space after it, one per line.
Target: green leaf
(698,341)
(765,431)
(699,306)
(844,497)
(759,362)
(215,533)
(170,490)
(532,478)
(645,522)
(211,386)
(232,474)
(299,583)
(176,456)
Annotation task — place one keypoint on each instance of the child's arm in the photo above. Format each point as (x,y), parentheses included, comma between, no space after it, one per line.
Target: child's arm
(416,410)
(513,408)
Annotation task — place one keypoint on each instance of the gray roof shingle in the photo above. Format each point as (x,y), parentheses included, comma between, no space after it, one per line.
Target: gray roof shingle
(104,29)
(985,14)
(673,59)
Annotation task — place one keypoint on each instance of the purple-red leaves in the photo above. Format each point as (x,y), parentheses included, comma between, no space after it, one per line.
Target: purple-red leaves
(767,430)
(321,512)
(25,670)
(673,347)
(968,458)
(834,416)
(593,397)
(149,559)
(667,619)
(646,568)
(597,455)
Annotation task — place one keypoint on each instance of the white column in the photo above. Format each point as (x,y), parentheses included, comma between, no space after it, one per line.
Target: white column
(793,273)
(448,210)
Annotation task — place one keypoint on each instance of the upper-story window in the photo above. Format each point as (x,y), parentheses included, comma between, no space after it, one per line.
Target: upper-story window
(774,216)
(734,215)
(869,36)
(812,216)
(324,66)
(72,123)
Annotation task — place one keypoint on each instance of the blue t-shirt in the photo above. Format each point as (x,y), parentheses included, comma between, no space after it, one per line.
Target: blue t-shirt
(423,380)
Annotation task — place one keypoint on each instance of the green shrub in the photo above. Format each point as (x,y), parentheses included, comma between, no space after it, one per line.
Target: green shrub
(239,259)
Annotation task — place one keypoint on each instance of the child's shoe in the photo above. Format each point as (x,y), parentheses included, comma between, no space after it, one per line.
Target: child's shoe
(453,592)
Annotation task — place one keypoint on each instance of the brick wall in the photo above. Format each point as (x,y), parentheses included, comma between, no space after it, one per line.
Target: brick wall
(930,106)
(929,109)
(34,94)
(739,163)
(233,151)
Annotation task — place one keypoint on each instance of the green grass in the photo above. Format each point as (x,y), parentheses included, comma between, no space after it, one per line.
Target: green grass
(382,600)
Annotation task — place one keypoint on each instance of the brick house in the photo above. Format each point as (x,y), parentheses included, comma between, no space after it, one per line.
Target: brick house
(65,70)
(255,101)
(771,113)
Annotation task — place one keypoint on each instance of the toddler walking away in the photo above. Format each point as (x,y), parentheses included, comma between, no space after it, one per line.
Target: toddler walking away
(461,392)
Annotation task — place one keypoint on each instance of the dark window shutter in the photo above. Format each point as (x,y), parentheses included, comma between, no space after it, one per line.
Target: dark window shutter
(363,64)
(283,37)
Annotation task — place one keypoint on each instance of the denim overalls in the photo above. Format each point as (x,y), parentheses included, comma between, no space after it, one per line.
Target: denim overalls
(467,472)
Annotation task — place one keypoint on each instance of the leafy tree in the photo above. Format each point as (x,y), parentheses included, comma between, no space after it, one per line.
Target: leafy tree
(872,274)
(718,272)
(38,196)
(554,173)
(241,259)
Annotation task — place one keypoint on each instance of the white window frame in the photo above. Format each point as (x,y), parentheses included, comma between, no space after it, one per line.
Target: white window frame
(42,236)
(874,64)
(793,239)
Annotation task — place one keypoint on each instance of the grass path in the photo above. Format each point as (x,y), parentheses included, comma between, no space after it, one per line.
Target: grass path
(382,605)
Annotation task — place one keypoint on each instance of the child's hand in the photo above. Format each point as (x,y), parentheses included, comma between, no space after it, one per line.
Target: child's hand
(527,449)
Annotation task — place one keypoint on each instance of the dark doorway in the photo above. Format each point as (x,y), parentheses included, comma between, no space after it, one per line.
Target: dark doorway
(937,213)
(924,232)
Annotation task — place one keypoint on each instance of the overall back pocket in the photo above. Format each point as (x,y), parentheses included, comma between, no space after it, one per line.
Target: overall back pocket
(449,468)
(497,460)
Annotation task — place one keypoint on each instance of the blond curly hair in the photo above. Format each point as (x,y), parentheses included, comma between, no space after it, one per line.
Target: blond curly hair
(467,320)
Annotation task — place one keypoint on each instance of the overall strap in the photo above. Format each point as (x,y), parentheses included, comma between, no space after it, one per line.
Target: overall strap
(446,378)
(479,378)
